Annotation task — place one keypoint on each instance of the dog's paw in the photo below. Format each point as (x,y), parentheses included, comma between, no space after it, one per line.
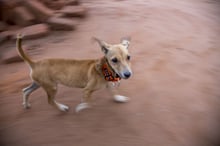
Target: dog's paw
(82,106)
(120,98)
(63,107)
(26,105)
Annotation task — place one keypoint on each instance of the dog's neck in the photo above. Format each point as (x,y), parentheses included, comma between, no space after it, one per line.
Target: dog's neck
(104,68)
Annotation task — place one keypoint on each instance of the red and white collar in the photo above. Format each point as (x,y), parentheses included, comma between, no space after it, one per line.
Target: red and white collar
(109,73)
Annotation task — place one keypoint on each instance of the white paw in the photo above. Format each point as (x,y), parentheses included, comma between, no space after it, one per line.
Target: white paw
(26,105)
(82,106)
(120,98)
(63,107)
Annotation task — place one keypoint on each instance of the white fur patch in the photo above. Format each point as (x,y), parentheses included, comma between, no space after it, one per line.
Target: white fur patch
(62,107)
(120,98)
(82,106)
(125,43)
(26,105)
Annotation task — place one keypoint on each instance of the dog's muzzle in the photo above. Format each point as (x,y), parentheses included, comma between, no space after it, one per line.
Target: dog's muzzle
(125,75)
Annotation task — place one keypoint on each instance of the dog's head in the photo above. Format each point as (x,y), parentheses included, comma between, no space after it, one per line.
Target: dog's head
(118,56)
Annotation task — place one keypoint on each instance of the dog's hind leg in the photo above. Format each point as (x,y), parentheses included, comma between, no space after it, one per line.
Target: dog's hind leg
(26,92)
(51,92)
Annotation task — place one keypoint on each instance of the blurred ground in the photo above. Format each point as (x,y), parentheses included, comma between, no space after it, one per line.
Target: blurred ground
(174,90)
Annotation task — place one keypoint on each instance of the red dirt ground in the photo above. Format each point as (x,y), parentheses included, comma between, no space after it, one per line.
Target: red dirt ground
(174,91)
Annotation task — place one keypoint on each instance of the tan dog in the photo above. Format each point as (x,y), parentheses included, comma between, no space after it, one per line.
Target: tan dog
(87,74)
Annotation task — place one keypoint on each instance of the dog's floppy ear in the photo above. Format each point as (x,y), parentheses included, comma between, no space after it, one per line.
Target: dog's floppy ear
(125,41)
(104,46)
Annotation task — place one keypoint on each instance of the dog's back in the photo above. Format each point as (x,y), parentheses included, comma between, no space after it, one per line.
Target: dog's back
(69,72)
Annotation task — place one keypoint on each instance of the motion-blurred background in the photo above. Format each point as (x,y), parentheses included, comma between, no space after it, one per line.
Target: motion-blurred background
(175,49)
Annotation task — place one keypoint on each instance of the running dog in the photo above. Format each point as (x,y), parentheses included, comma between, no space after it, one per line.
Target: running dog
(90,75)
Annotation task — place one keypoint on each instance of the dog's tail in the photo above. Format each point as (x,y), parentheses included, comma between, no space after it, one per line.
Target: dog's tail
(21,52)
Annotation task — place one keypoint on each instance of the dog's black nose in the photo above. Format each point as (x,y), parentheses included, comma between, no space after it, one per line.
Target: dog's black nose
(127,74)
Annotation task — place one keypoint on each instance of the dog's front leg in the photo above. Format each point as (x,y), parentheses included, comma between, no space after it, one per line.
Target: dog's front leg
(85,101)
(113,88)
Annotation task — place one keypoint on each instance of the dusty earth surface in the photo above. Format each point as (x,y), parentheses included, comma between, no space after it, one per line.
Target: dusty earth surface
(174,91)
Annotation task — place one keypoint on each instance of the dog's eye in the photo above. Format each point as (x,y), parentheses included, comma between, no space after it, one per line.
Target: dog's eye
(128,57)
(114,60)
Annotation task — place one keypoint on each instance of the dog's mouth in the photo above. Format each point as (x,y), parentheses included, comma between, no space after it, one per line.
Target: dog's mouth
(117,76)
